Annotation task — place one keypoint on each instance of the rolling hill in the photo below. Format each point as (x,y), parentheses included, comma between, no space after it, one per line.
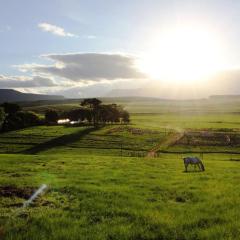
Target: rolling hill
(10,95)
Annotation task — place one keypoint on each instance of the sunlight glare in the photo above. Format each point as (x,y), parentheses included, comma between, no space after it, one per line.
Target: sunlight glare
(183,54)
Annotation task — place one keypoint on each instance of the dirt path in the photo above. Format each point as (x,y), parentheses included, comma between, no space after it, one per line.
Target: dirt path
(171,139)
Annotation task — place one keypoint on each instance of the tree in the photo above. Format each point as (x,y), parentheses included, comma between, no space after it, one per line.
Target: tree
(125,116)
(20,120)
(95,112)
(51,116)
(94,105)
(11,108)
(63,115)
(104,113)
(88,115)
(91,102)
(110,113)
(29,118)
(76,114)
(113,113)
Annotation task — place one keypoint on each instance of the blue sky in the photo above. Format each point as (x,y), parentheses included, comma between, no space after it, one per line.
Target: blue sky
(100,26)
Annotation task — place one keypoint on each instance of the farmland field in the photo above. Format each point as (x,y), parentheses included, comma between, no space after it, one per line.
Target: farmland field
(102,183)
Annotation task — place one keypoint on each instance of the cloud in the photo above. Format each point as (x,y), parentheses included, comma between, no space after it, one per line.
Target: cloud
(90,36)
(76,74)
(25,82)
(56,30)
(88,67)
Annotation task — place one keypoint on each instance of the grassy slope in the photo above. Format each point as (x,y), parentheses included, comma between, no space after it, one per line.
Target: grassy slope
(94,193)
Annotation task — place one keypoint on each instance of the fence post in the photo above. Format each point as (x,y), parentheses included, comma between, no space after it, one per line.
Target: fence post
(121,149)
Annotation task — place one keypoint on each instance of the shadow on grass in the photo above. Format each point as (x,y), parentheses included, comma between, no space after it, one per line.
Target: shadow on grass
(59,141)
(193,171)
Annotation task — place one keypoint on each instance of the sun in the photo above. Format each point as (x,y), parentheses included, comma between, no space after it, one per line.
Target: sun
(182,54)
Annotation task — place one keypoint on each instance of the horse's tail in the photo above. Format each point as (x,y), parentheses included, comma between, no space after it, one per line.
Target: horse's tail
(202,166)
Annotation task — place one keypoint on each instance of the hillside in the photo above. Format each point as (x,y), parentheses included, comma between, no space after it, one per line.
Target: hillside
(10,95)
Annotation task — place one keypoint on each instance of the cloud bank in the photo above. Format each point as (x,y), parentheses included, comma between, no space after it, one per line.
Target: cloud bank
(88,67)
(25,82)
(81,74)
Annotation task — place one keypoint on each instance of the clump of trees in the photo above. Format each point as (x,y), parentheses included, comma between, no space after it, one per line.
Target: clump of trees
(79,114)
(104,113)
(12,117)
(91,111)
(51,116)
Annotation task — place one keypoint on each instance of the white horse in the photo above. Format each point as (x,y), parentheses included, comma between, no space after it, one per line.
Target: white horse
(193,161)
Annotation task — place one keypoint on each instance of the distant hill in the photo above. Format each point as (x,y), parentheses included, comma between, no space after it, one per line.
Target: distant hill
(225,97)
(10,95)
(155,92)
(138,92)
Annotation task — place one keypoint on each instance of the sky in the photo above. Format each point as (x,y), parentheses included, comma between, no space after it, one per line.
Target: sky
(90,48)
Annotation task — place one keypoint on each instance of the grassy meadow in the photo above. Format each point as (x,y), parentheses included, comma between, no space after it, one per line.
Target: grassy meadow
(102,184)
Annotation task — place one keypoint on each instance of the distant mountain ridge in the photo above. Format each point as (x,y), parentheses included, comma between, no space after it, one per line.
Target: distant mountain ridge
(225,96)
(10,95)
(161,94)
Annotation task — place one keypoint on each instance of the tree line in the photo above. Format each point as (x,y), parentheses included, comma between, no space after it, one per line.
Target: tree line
(90,111)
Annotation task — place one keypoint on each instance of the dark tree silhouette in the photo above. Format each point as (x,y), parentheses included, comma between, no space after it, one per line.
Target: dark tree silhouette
(11,108)
(93,111)
(2,116)
(51,116)
(20,120)
(125,116)
(74,115)
(94,105)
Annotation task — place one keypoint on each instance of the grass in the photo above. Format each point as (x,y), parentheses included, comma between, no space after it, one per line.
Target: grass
(121,198)
(98,190)
(78,140)
(187,121)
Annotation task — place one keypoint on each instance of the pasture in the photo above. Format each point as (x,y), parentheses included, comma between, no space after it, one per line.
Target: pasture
(91,197)
(103,185)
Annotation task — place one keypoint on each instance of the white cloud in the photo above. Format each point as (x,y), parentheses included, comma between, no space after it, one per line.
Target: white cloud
(90,36)
(56,30)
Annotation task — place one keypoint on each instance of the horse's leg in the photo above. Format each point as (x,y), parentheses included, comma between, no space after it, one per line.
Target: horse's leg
(199,166)
(186,165)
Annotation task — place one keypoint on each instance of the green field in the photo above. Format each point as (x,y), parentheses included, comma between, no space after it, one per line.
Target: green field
(103,185)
